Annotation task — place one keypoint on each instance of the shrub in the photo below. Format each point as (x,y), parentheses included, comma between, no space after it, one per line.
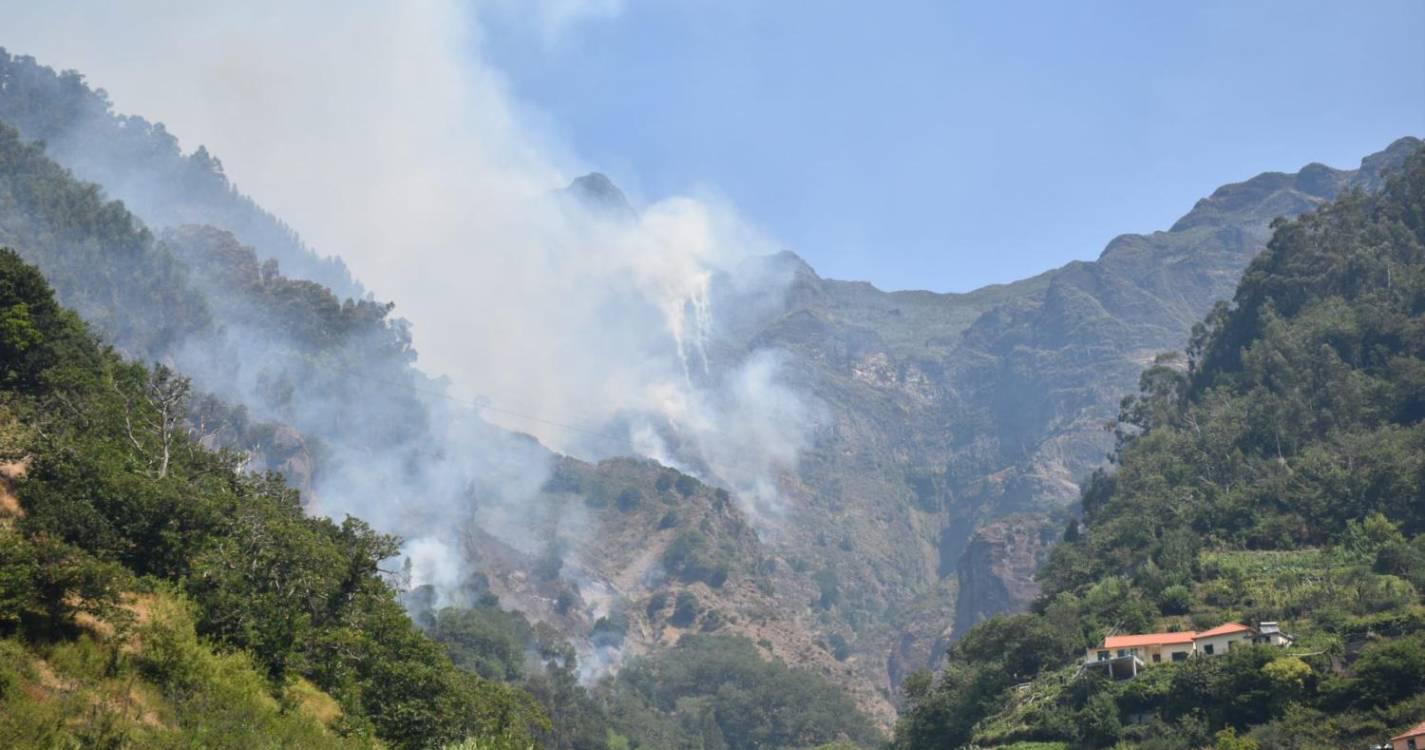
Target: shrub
(1175,600)
(1390,671)
(656,603)
(685,609)
(629,499)
(669,520)
(691,557)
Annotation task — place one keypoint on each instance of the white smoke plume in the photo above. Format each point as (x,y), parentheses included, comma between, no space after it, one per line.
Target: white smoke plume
(383,134)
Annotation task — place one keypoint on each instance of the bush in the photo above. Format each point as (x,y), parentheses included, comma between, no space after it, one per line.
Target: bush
(656,603)
(1099,720)
(828,589)
(691,557)
(629,499)
(1227,739)
(609,631)
(685,609)
(1175,600)
(1390,671)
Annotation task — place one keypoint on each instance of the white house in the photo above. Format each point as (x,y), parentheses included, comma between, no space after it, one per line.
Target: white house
(1121,657)
(1221,639)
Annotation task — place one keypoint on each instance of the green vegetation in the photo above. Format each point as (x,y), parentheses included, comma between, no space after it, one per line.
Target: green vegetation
(718,692)
(140,163)
(692,557)
(156,685)
(1278,475)
(108,265)
(708,691)
(117,497)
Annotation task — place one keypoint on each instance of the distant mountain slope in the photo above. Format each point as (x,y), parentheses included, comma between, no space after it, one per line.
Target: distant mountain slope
(1279,477)
(949,411)
(139,163)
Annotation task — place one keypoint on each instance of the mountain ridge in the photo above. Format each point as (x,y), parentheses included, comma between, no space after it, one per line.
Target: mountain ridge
(1270,474)
(953,410)
(949,415)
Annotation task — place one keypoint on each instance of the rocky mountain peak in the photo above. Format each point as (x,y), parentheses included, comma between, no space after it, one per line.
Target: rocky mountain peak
(596,191)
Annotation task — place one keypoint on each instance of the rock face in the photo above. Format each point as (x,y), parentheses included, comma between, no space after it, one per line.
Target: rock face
(955,430)
(996,571)
(949,412)
(599,193)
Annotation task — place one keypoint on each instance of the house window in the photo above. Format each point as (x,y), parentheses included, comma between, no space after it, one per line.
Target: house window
(1122,652)
(1410,744)
(1180,656)
(1157,658)
(1103,656)
(1207,649)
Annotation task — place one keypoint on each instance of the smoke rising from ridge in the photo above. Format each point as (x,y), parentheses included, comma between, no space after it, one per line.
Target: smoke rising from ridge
(383,135)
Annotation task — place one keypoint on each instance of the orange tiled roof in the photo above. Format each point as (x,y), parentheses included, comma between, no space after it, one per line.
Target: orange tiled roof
(1149,639)
(1224,629)
(1414,731)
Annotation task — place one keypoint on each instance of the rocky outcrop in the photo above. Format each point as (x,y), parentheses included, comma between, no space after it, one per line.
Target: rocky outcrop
(996,571)
(598,193)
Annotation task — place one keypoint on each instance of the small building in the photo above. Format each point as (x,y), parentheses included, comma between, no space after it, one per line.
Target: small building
(1411,739)
(1121,656)
(1220,639)
(1270,634)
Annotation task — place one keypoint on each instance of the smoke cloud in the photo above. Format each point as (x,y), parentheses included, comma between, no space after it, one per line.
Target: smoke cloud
(386,137)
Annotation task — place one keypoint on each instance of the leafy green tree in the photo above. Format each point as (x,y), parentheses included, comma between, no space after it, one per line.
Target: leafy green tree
(1227,739)
(1389,671)
(685,609)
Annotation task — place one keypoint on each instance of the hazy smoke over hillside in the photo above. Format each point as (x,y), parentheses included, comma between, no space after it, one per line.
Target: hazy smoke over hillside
(383,136)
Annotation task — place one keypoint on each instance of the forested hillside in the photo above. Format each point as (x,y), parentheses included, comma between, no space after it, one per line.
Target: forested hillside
(1274,473)
(140,163)
(154,595)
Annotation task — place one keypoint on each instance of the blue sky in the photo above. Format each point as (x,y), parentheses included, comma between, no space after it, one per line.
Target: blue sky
(949,145)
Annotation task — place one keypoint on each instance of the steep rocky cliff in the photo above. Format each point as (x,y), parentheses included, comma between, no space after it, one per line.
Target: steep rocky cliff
(947,412)
(996,571)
